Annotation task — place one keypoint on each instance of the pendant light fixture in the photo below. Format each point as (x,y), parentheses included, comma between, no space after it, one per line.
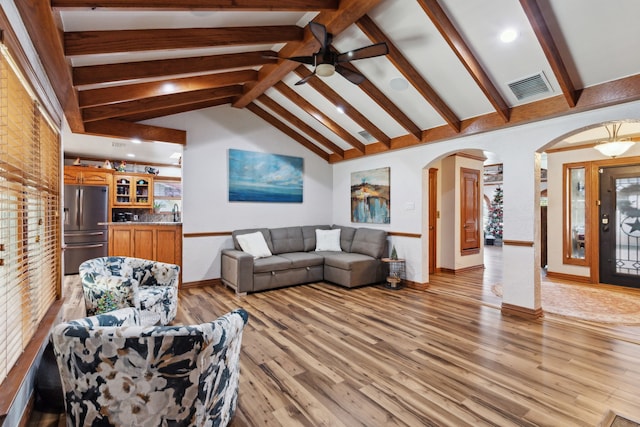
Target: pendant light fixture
(614,146)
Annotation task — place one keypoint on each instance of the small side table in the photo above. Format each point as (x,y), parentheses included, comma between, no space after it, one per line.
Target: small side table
(396,271)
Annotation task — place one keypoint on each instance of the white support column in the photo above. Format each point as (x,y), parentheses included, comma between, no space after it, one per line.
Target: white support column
(521,236)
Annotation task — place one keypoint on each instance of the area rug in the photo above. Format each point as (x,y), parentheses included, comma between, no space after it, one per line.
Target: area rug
(588,303)
(612,419)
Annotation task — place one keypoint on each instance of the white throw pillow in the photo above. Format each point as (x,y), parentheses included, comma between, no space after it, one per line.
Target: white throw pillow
(328,240)
(254,244)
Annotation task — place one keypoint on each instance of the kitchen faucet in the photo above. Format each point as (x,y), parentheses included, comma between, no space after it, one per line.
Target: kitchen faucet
(175,212)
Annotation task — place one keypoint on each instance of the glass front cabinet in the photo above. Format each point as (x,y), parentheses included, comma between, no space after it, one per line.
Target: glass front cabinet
(131,190)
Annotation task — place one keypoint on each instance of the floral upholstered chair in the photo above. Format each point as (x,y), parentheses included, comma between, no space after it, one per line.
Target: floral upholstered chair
(110,283)
(117,373)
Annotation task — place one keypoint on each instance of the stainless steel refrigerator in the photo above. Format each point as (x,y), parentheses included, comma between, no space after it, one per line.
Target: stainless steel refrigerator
(86,212)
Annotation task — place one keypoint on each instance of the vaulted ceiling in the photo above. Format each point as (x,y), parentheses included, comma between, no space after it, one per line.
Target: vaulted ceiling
(116,63)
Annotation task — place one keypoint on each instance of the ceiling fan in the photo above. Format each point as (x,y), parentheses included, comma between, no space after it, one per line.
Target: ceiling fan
(326,61)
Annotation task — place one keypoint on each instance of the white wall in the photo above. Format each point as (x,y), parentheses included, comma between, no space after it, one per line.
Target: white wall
(449,232)
(517,147)
(327,197)
(210,134)
(448,228)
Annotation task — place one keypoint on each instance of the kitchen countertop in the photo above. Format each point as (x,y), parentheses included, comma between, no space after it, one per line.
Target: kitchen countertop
(140,223)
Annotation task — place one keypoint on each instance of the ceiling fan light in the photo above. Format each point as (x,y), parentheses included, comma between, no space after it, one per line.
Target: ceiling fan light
(325,70)
(613,148)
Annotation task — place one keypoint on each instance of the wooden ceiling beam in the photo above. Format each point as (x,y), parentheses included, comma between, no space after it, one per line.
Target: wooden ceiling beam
(249,5)
(288,131)
(298,123)
(387,105)
(457,44)
(351,112)
(550,49)
(594,97)
(96,74)
(335,22)
(148,115)
(376,35)
(157,103)
(112,94)
(101,42)
(314,112)
(43,31)
(124,129)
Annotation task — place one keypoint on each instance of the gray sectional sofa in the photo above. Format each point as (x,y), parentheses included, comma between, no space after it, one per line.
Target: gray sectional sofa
(294,259)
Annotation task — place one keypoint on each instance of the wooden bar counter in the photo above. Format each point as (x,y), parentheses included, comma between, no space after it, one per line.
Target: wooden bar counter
(158,241)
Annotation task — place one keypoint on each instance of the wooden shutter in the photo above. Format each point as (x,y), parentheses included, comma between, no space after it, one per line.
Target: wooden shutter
(29,221)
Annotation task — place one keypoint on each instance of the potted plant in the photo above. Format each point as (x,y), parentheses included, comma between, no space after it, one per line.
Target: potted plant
(156,207)
(394,253)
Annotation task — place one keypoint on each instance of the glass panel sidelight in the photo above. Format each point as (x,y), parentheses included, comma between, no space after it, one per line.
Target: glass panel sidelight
(627,243)
(577,212)
(576,215)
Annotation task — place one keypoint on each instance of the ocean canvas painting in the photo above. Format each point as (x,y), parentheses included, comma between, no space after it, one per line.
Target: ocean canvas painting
(264,177)
(370,196)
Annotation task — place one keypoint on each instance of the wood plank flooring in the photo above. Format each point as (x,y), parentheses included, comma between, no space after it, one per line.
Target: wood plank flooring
(322,355)
(319,355)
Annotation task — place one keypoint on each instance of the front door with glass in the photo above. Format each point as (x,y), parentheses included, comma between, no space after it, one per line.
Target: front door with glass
(619,224)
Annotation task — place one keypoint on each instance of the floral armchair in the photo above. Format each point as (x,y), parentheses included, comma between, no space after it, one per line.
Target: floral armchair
(110,283)
(116,372)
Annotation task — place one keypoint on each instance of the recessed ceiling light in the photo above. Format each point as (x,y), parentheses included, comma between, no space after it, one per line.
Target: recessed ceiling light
(508,35)
(136,141)
(399,84)
(340,109)
(131,155)
(175,155)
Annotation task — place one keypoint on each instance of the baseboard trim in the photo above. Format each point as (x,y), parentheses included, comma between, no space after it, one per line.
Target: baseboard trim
(416,285)
(201,283)
(517,243)
(522,312)
(218,282)
(460,270)
(570,277)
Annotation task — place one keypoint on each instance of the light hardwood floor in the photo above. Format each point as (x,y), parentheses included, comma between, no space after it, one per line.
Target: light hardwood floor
(322,355)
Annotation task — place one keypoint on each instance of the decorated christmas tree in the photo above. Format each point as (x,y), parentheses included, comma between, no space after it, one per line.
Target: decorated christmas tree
(494,222)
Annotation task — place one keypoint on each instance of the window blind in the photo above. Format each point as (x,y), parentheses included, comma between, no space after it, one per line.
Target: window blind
(29,214)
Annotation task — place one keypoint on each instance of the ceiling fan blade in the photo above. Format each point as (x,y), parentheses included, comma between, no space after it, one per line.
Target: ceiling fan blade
(352,76)
(372,51)
(302,59)
(311,60)
(305,79)
(319,31)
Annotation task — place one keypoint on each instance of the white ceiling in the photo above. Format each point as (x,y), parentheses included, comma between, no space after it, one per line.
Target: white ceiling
(598,41)
(117,149)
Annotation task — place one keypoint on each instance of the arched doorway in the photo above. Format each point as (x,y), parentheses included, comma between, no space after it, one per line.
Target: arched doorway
(599,223)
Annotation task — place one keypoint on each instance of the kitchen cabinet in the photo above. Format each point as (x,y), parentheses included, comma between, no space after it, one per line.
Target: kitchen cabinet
(132,190)
(87,175)
(155,241)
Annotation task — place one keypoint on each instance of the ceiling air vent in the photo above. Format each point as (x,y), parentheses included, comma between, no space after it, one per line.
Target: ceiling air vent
(530,86)
(367,136)
(116,144)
